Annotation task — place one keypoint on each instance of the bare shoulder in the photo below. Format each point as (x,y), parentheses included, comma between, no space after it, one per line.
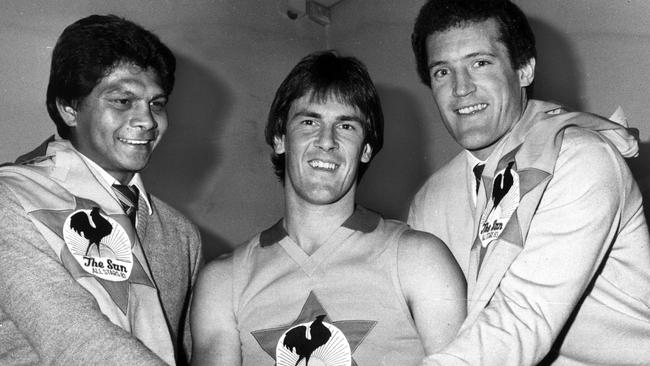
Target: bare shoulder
(212,316)
(422,248)
(215,278)
(424,258)
(433,286)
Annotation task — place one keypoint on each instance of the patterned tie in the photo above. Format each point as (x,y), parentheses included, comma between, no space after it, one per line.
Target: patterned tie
(128,197)
(478,171)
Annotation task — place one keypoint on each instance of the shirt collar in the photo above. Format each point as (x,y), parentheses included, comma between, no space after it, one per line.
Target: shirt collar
(362,220)
(473,160)
(110,180)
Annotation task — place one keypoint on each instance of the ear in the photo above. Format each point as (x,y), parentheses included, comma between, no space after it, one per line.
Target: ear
(527,73)
(67,112)
(366,154)
(278,144)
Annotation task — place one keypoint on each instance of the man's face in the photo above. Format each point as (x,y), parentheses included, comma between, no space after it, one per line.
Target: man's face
(323,146)
(479,94)
(121,121)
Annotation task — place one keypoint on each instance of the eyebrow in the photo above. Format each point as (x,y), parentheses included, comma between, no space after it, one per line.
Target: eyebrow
(468,56)
(125,88)
(310,114)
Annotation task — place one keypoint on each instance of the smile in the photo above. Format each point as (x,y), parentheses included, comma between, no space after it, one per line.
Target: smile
(319,164)
(134,141)
(472,108)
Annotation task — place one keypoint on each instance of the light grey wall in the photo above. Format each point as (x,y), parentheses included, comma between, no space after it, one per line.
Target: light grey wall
(232,55)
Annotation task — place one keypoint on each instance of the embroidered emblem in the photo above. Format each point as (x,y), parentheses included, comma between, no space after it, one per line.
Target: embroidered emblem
(503,202)
(291,345)
(99,244)
(317,343)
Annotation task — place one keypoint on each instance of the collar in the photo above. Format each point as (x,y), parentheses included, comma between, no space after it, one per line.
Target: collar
(473,160)
(110,180)
(362,220)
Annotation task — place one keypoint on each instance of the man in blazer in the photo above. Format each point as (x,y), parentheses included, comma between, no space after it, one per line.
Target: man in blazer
(93,269)
(540,210)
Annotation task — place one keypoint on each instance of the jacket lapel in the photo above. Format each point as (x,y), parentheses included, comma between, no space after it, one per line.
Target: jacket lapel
(489,263)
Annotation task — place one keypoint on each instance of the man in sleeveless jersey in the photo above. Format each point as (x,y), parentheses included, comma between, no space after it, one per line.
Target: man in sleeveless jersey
(550,231)
(331,283)
(93,269)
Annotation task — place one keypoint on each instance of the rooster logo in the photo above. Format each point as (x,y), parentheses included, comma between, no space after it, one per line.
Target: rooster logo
(80,223)
(316,340)
(99,244)
(503,203)
(502,184)
(304,342)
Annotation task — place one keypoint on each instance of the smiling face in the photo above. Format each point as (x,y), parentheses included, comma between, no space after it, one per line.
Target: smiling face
(323,146)
(120,122)
(478,93)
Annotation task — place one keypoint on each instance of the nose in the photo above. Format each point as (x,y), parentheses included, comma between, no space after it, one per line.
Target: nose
(143,117)
(463,84)
(327,139)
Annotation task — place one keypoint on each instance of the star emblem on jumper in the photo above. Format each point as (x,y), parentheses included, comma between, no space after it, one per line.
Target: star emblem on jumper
(314,339)
(87,247)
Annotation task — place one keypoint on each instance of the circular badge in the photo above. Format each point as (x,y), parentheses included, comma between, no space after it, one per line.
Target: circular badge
(99,244)
(315,343)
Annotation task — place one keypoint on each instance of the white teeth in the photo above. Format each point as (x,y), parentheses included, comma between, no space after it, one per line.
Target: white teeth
(322,165)
(135,142)
(472,109)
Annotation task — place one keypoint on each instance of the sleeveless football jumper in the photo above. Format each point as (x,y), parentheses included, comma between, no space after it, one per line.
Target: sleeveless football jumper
(344,302)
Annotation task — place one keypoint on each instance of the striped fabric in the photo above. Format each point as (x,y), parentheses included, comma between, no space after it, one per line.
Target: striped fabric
(128,197)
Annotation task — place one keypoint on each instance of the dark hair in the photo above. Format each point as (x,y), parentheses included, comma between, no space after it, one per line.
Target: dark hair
(90,49)
(323,75)
(441,15)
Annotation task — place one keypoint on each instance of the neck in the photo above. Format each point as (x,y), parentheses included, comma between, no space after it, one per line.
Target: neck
(310,225)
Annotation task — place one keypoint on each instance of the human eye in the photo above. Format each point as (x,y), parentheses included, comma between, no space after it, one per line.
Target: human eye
(307,122)
(439,73)
(158,105)
(348,126)
(121,102)
(481,63)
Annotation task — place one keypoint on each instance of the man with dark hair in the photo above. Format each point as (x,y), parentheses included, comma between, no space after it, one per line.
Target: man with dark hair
(93,269)
(331,280)
(540,210)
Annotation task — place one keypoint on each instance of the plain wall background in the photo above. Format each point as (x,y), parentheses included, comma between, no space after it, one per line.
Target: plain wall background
(213,163)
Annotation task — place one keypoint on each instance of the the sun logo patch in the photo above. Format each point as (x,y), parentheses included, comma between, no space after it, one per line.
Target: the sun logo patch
(99,244)
(503,202)
(315,343)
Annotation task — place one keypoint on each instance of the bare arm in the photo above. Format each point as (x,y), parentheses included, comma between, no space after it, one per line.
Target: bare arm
(214,327)
(434,288)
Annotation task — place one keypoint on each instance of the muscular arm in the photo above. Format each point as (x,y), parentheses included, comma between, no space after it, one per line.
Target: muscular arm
(434,288)
(214,327)
(58,317)
(572,229)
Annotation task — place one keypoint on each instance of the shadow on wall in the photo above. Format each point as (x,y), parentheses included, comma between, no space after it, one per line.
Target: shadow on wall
(398,170)
(187,154)
(557,76)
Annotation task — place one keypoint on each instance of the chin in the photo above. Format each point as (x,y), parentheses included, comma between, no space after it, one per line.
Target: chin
(134,167)
(321,196)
